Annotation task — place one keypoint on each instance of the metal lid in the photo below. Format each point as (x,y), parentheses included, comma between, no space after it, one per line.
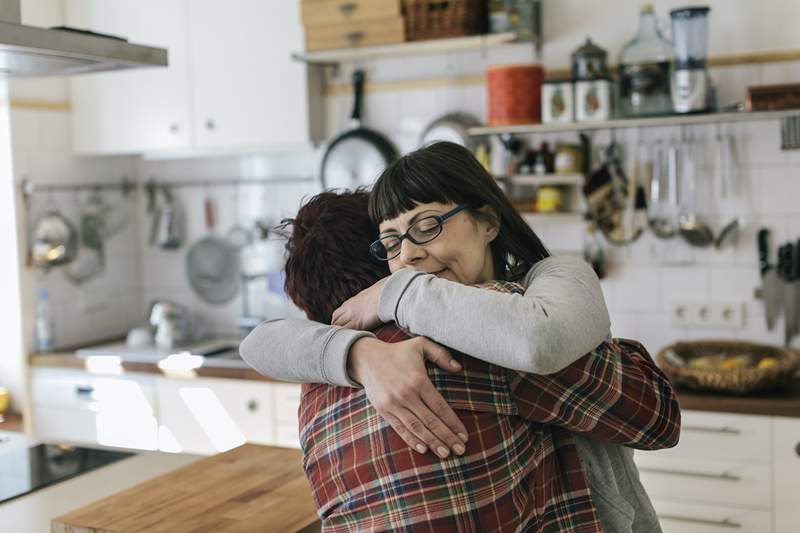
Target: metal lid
(589,61)
(689,11)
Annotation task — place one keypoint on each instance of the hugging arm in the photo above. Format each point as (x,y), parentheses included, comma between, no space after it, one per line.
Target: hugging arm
(561,316)
(614,393)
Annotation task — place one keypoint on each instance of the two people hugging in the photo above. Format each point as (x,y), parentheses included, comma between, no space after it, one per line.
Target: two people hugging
(456,377)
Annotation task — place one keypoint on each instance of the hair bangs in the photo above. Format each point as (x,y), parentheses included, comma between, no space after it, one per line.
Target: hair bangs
(406,184)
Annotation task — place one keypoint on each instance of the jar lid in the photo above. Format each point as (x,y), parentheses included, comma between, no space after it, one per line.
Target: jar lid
(589,61)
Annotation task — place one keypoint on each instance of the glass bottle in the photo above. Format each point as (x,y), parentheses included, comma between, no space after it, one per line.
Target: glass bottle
(645,67)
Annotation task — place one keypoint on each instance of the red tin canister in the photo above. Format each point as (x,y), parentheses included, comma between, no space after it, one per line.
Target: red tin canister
(515,94)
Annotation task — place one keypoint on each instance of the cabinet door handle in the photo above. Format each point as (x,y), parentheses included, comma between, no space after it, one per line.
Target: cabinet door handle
(797,449)
(174,128)
(84,390)
(725,430)
(347,8)
(252,406)
(724,476)
(210,125)
(354,36)
(725,522)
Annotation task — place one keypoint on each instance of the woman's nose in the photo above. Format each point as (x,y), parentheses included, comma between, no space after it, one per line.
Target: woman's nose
(410,253)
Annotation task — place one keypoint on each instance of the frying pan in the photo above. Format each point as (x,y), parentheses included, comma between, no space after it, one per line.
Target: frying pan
(451,127)
(355,157)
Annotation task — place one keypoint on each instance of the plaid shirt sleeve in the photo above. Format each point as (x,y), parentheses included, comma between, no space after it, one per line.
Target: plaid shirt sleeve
(615,393)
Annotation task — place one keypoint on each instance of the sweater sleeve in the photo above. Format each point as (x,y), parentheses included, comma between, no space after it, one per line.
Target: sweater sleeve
(301,350)
(561,316)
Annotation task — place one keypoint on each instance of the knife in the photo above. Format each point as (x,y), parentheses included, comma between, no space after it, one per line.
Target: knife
(771,284)
(796,276)
(786,259)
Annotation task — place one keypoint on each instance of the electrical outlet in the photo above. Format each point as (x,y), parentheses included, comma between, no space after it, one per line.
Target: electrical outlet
(708,314)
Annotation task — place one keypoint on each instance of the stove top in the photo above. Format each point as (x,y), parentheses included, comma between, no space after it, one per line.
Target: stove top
(24,470)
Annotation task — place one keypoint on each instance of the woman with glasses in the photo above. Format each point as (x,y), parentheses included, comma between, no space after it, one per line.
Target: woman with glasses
(445,226)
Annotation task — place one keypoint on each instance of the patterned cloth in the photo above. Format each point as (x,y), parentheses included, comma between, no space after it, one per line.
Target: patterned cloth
(521,470)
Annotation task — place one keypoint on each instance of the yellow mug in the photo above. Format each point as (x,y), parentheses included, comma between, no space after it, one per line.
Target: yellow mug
(3,401)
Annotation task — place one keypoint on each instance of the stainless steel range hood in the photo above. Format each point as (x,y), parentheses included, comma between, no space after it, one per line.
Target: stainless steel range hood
(28,51)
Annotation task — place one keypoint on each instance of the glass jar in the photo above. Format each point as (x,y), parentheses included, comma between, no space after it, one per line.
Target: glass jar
(645,65)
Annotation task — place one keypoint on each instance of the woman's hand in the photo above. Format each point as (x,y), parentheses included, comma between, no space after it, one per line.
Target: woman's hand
(361,311)
(398,386)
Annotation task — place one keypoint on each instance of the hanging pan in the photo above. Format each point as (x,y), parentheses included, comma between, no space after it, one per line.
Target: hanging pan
(356,157)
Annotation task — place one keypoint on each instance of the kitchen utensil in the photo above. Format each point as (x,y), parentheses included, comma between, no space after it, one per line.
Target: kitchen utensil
(213,265)
(693,229)
(796,276)
(663,191)
(730,191)
(171,321)
(451,127)
(786,260)
(90,260)
(358,155)
(770,282)
(55,241)
(170,227)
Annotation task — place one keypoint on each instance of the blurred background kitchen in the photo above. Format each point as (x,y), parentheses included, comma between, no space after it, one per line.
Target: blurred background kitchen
(662,144)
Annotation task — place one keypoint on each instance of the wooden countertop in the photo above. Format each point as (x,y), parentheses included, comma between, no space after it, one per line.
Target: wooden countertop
(70,360)
(780,403)
(249,488)
(785,402)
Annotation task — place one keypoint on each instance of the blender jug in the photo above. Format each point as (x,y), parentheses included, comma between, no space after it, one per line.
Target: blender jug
(690,42)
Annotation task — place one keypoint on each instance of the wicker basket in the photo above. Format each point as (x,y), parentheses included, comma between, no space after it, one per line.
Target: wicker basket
(436,19)
(734,381)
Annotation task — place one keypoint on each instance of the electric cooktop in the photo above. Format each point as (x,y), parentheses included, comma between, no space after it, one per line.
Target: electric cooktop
(26,469)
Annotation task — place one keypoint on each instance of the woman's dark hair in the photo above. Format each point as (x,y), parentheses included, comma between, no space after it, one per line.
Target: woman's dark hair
(446,172)
(327,259)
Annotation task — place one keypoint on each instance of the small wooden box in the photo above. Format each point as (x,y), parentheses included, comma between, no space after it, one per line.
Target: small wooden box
(324,12)
(773,97)
(353,34)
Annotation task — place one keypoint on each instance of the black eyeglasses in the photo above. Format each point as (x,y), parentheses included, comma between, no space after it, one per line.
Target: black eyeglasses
(422,231)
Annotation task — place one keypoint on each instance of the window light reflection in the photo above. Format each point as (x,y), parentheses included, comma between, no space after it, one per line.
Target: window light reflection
(214,419)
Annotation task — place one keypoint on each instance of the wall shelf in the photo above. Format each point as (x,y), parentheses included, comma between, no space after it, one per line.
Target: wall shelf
(543,180)
(534,218)
(434,46)
(654,122)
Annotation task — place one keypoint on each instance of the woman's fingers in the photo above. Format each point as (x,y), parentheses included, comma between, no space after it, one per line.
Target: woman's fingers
(412,440)
(445,422)
(416,426)
(439,355)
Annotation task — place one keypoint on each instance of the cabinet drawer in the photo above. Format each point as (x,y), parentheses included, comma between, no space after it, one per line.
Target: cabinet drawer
(325,12)
(287,435)
(786,469)
(722,436)
(84,391)
(353,34)
(287,402)
(676,517)
(51,424)
(716,482)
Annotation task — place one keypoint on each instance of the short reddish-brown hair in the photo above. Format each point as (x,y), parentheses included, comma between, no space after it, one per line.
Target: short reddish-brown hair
(328,253)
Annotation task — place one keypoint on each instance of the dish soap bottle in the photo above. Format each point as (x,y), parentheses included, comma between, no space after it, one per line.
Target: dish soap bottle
(645,65)
(44,322)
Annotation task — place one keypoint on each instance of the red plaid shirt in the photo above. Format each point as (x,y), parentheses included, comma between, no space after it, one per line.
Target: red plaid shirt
(521,470)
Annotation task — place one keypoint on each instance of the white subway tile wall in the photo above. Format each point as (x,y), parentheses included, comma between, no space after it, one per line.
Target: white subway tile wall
(644,279)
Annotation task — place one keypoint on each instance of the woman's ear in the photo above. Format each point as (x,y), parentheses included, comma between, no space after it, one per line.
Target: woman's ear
(492,223)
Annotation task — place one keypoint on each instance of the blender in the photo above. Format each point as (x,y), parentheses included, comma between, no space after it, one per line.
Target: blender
(690,84)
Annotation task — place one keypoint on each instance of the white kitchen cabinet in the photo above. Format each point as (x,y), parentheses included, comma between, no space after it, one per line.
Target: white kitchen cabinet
(786,464)
(230,83)
(287,403)
(207,416)
(246,89)
(139,110)
(75,406)
(718,477)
